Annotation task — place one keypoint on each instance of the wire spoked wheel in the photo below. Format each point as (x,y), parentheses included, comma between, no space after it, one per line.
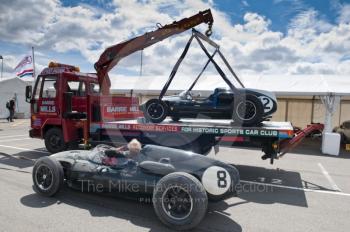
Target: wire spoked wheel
(156,110)
(43,177)
(247,110)
(177,203)
(180,200)
(47,176)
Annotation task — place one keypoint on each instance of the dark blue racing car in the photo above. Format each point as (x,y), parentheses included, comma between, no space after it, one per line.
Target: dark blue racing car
(244,106)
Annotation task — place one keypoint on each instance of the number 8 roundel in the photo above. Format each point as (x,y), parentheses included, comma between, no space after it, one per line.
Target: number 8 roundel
(216,180)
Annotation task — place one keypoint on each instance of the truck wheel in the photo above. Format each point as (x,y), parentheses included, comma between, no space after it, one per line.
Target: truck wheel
(247,110)
(54,140)
(180,201)
(47,176)
(156,110)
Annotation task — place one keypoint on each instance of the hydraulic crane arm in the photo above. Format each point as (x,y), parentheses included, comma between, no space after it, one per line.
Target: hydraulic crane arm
(112,55)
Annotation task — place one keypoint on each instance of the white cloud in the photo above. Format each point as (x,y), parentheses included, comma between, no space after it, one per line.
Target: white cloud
(345,14)
(311,45)
(311,68)
(255,23)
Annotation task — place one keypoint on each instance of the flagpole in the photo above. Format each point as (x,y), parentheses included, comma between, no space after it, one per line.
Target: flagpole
(33,62)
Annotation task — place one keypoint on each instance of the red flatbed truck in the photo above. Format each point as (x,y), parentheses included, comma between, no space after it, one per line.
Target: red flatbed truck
(69,107)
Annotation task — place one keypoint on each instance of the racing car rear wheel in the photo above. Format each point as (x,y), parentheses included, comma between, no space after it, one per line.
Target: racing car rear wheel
(247,110)
(156,110)
(47,176)
(180,201)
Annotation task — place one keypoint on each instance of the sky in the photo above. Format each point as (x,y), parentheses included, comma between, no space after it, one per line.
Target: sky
(258,37)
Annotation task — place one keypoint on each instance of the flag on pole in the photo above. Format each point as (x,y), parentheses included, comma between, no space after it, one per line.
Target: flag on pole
(25,72)
(26,60)
(21,68)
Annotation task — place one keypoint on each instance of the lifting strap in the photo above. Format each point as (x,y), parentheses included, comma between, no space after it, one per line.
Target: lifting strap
(222,74)
(200,74)
(231,70)
(212,43)
(176,67)
(198,36)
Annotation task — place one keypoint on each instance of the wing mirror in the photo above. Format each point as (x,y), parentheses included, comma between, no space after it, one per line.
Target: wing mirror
(28,93)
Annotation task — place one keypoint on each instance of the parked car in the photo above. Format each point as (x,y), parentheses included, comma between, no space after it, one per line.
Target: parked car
(344,131)
(179,182)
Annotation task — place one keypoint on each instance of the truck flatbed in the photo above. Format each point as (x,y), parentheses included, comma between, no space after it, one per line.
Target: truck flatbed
(278,130)
(198,135)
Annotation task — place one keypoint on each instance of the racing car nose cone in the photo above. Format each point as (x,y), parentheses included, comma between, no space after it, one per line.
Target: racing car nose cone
(216,180)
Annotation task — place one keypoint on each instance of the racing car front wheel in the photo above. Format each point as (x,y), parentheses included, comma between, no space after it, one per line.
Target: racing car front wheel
(47,176)
(180,201)
(156,110)
(247,110)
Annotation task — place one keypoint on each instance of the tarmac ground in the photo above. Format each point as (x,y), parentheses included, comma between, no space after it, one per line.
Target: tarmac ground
(303,191)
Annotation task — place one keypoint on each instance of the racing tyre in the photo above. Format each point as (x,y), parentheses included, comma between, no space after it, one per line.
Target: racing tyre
(156,110)
(54,141)
(47,176)
(180,201)
(247,110)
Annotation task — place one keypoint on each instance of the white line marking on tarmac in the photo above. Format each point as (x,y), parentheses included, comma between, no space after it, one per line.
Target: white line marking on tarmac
(297,188)
(11,136)
(24,149)
(18,123)
(329,178)
(9,140)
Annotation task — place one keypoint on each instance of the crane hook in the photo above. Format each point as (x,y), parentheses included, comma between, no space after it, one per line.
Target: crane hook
(209,31)
(159,25)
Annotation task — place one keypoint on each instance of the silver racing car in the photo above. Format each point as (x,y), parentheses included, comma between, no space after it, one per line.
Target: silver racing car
(179,182)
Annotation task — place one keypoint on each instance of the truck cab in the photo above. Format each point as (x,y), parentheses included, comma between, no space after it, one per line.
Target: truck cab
(59,103)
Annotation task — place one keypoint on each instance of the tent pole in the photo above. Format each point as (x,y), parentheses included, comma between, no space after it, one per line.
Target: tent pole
(331,103)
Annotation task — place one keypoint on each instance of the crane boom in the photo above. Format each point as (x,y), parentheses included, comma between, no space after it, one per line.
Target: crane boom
(112,55)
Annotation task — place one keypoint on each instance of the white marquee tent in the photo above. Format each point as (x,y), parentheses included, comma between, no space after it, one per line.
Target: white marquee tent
(13,87)
(282,85)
